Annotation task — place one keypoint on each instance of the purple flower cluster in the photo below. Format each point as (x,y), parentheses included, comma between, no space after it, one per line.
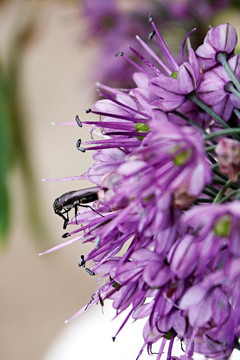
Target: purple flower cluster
(114,27)
(165,225)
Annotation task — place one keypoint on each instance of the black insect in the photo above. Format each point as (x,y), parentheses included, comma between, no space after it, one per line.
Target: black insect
(72,199)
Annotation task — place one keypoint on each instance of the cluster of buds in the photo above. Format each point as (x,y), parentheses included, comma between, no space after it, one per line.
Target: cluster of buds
(164,212)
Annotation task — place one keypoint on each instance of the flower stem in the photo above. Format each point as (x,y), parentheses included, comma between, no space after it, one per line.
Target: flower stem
(213,161)
(237,113)
(222,133)
(212,189)
(229,87)
(193,97)
(228,196)
(215,166)
(210,148)
(222,59)
(191,122)
(219,196)
(222,179)
(209,193)
(203,200)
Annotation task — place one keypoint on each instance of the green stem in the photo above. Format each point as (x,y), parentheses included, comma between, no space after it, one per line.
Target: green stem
(229,87)
(210,148)
(229,196)
(212,189)
(222,133)
(213,161)
(222,179)
(215,166)
(218,181)
(193,97)
(191,122)
(237,113)
(209,193)
(219,196)
(202,200)
(222,59)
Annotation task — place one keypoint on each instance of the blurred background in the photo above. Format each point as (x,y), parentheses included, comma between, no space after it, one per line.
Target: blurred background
(51,55)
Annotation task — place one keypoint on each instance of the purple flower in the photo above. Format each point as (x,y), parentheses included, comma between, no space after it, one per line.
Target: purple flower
(221,38)
(218,342)
(219,223)
(172,90)
(186,8)
(192,112)
(214,92)
(161,254)
(115,26)
(183,256)
(102,15)
(175,166)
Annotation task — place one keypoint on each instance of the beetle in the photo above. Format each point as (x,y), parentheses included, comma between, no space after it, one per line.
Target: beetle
(72,199)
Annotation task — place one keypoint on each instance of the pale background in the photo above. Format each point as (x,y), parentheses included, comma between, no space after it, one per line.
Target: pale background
(38,293)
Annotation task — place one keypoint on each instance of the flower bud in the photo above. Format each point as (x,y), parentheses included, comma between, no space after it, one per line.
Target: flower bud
(228,153)
(221,38)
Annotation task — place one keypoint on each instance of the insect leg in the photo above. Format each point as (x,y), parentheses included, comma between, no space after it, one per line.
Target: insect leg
(89,206)
(75,209)
(65,223)
(66,219)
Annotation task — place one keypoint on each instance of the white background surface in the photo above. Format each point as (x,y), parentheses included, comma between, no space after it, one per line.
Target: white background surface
(89,337)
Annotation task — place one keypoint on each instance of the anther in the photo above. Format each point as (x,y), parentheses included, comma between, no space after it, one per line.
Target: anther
(151,35)
(66,235)
(78,121)
(82,262)
(101,301)
(90,272)
(119,53)
(150,18)
(88,110)
(97,242)
(78,145)
(113,338)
